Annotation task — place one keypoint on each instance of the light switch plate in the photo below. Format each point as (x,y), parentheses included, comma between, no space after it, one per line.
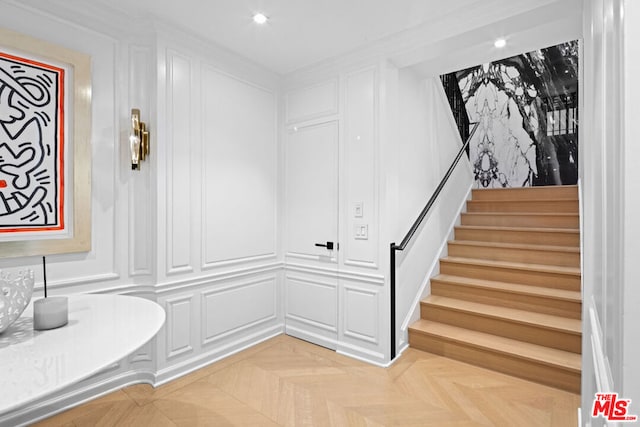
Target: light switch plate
(361,231)
(358,209)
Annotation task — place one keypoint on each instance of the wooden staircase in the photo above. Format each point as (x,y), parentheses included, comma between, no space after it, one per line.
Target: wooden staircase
(508,294)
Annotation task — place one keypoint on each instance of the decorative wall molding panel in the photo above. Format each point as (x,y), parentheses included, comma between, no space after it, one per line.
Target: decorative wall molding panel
(140,200)
(180,134)
(254,302)
(352,325)
(602,369)
(360,201)
(172,287)
(208,319)
(362,314)
(239,174)
(179,330)
(312,302)
(351,275)
(312,101)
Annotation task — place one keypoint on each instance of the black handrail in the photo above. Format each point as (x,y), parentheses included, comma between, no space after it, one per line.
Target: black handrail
(416,224)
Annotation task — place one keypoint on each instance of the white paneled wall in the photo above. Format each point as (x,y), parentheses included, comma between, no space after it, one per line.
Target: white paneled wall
(631,227)
(361,169)
(141,213)
(181,142)
(310,102)
(196,228)
(609,182)
(239,167)
(338,300)
(101,265)
(255,302)
(217,204)
(311,307)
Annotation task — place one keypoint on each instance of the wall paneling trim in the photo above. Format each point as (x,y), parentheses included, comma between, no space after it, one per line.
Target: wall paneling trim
(180,139)
(254,302)
(312,101)
(239,173)
(178,326)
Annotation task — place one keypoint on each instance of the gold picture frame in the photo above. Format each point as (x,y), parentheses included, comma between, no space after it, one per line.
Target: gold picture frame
(72,231)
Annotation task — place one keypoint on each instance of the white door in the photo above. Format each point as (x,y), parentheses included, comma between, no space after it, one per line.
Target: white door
(311,230)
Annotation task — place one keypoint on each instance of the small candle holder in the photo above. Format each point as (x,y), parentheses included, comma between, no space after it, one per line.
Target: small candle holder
(49,312)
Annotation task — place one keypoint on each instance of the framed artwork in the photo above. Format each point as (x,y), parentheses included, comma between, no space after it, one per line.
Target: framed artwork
(527,107)
(45,148)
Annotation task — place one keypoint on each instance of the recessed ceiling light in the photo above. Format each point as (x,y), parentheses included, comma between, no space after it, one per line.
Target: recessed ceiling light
(500,43)
(260,18)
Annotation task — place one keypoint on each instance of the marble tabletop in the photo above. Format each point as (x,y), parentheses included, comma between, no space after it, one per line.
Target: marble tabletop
(102,330)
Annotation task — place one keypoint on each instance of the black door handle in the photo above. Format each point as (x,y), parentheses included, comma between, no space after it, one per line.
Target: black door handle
(328,245)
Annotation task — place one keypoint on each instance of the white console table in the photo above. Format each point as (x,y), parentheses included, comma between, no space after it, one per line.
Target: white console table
(102,330)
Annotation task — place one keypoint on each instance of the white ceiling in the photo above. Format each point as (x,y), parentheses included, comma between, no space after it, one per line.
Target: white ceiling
(299,32)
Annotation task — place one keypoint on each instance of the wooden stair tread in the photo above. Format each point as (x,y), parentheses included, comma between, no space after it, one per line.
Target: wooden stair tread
(547,248)
(524,350)
(560,199)
(523,229)
(575,271)
(560,294)
(564,192)
(547,321)
(541,214)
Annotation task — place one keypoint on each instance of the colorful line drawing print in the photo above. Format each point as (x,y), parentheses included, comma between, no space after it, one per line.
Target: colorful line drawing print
(31,145)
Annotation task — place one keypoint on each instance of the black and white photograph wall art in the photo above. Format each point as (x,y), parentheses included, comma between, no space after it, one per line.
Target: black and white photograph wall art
(32,125)
(527,107)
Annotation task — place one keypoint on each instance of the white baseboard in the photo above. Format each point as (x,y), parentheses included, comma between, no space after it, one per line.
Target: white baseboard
(363,354)
(314,338)
(203,359)
(66,399)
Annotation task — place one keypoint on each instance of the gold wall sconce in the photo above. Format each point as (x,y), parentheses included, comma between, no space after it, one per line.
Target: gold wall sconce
(138,140)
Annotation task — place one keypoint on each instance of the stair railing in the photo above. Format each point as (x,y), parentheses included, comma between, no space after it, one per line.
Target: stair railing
(407,238)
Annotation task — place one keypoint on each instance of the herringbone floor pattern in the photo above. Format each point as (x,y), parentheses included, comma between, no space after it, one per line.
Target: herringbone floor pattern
(285,381)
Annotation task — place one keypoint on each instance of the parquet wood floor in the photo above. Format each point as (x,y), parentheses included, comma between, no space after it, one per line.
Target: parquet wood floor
(289,382)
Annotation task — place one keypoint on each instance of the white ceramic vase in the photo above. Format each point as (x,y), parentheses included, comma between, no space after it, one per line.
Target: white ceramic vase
(15,294)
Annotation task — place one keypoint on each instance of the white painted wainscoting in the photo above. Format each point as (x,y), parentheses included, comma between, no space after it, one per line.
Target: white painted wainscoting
(196,229)
(213,318)
(217,183)
(336,298)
